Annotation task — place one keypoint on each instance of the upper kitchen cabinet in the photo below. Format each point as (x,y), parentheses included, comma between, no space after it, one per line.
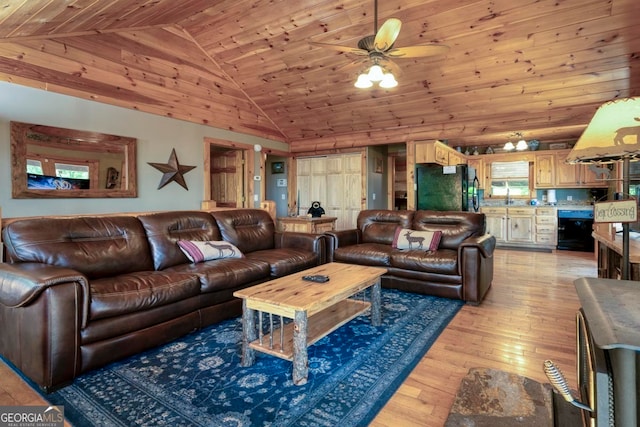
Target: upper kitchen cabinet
(553,172)
(545,168)
(438,152)
(579,175)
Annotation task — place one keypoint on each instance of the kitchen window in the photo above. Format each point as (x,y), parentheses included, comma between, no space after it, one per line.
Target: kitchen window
(510,178)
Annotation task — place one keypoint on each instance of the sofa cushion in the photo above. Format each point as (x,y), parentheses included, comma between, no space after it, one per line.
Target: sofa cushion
(97,247)
(225,273)
(442,261)
(134,292)
(205,251)
(285,261)
(248,229)
(164,229)
(379,226)
(364,254)
(406,238)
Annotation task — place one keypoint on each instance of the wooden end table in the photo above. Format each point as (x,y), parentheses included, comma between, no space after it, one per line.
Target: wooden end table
(317,309)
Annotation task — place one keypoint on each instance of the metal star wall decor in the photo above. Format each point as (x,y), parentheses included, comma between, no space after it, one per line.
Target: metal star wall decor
(172,171)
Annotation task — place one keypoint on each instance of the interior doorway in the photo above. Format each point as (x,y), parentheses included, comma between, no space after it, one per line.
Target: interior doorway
(227,176)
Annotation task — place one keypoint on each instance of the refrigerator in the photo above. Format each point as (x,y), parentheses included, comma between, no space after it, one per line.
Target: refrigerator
(446,188)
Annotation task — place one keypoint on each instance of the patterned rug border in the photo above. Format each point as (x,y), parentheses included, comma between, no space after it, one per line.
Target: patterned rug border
(377,362)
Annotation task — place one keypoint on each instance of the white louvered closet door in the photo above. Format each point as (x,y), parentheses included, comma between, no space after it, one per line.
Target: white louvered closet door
(336,182)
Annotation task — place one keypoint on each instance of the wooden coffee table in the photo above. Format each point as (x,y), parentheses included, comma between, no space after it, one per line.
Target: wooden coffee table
(317,309)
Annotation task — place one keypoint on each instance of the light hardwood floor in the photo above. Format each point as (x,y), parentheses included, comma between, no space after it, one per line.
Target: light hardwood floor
(528,316)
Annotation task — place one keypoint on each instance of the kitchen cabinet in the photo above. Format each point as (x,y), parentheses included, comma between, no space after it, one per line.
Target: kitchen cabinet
(520,225)
(438,152)
(545,167)
(496,220)
(546,231)
(551,171)
(576,176)
(456,158)
(513,226)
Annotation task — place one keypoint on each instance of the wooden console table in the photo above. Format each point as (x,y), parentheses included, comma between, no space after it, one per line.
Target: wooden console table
(305,224)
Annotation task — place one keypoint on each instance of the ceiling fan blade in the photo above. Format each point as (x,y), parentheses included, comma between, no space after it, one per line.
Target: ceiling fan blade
(387,34)
(418,51)
(347,49)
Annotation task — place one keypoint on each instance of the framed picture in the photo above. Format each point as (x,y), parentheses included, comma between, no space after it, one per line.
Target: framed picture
(277,167)
(379,165)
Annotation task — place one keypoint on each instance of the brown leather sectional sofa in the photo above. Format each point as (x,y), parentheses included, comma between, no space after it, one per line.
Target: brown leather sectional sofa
(77,293)
(460,268)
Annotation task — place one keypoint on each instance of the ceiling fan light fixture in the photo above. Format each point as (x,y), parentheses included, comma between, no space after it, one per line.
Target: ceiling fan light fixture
(522,145)
(509,146)
(388,81)
(375,73)
(363,82)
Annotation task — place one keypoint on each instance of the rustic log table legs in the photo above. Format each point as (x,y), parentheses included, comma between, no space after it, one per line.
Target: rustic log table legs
(251,333)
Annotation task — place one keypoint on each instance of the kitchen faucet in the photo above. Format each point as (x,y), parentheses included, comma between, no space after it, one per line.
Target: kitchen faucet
(508,199)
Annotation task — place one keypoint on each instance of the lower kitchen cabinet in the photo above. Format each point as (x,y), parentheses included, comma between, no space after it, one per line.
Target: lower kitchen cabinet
(522,226)
(547,227)
(496,219)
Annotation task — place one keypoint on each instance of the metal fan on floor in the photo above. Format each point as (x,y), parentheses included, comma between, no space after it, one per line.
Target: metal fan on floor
(379,50)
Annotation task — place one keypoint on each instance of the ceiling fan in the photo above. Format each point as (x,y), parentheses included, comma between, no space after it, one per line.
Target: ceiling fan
(379,49)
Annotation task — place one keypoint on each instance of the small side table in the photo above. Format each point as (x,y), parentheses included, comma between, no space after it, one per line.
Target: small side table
(305,224)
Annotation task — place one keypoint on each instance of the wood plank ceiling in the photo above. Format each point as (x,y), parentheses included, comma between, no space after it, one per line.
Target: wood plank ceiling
(540,67)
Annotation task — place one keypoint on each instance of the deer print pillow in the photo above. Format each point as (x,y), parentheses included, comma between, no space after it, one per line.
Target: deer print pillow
(412,239)
(198,251)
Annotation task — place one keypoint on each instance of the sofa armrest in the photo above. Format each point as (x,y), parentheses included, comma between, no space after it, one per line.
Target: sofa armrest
(345,237)
(45,306)
(304,241)
(485,243)
(22,283)
(475,264)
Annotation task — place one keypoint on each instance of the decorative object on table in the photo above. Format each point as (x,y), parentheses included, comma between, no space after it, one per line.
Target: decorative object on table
(277,167)
(459,149)
(316,210)
(197,379)
(534,144)
(467,152)
(475,151)
(172,171)
(489,150)
(613,135)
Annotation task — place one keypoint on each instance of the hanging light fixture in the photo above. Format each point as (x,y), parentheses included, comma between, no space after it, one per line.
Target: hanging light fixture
(520,146)
(509,146)
(376,74)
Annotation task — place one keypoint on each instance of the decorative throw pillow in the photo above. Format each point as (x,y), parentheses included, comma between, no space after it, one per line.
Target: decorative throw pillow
(406,238)
(198,251)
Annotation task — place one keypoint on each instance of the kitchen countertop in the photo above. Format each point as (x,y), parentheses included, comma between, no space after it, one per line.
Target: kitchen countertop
(559,207)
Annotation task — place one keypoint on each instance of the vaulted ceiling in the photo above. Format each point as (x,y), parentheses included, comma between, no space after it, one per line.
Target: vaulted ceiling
(540,67)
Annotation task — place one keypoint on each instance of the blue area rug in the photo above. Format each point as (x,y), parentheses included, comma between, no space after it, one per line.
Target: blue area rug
(198,380)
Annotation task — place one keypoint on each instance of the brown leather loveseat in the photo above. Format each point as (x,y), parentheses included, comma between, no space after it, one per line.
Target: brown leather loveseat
(79,292)
(460,267)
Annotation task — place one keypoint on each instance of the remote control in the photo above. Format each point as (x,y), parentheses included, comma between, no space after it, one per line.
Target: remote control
(319,278)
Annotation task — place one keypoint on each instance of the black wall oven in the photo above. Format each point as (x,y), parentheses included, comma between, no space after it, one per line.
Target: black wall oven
(574,230)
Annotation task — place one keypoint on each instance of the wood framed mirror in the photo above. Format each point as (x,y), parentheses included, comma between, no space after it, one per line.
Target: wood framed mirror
(52,162)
